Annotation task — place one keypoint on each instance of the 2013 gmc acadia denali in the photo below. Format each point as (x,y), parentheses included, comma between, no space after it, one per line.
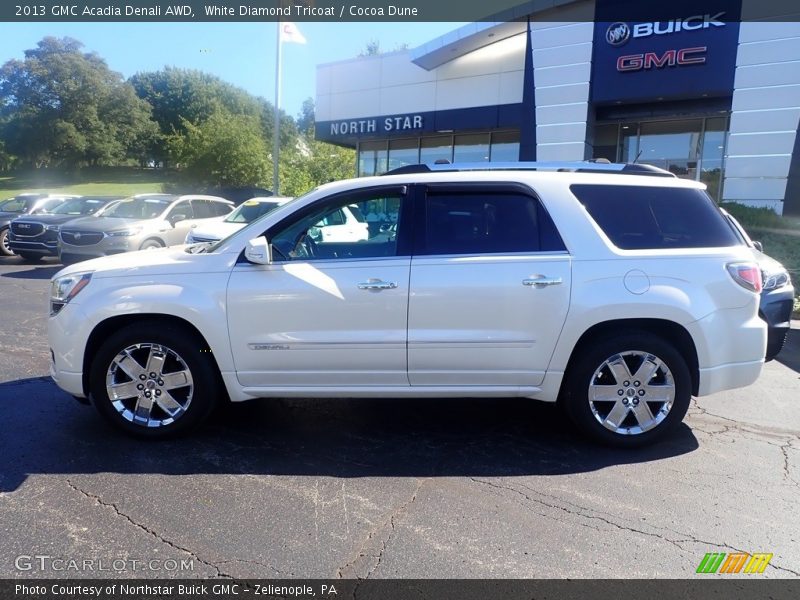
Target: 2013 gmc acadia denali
(617,290)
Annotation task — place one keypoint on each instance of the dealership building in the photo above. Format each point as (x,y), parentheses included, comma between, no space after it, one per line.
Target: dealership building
(711,93)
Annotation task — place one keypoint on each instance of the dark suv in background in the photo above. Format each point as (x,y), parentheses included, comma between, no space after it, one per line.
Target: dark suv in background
(35,236)
(24,204)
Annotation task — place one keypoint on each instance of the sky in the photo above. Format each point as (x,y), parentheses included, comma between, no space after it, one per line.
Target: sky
(240,53)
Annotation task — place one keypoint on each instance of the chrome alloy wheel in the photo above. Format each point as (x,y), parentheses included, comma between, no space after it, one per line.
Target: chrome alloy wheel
(631,392)
(149,385)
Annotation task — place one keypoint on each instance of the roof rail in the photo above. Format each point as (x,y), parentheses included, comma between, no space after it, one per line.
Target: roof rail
(585,166)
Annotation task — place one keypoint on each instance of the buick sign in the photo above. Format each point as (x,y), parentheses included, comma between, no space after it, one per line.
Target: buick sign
(618,33)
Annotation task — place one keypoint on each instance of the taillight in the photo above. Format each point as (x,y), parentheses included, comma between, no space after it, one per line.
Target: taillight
(746,274)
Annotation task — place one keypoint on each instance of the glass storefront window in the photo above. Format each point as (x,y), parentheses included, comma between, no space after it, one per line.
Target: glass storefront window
(690,148)
(471,148)
(436,148)
(605,142)
(505,146)
(403,152)
(371,158)
(629,142)
(713,155)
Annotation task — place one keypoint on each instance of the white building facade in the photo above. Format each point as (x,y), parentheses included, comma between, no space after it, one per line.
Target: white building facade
(710,93)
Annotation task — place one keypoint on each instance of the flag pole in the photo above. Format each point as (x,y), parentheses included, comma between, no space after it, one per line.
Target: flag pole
(276,127)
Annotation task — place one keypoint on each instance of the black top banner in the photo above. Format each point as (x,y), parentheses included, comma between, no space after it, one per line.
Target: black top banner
(365,10)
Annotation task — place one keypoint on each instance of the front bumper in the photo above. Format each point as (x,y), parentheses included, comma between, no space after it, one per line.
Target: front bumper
(776,309)
(25,247)
(108,246)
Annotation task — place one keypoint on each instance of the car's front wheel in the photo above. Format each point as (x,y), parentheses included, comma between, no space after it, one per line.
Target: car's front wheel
(628,390)
(154,380)
(30,256)
(5,248)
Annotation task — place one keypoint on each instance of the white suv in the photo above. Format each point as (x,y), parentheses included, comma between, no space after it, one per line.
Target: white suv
(617,290)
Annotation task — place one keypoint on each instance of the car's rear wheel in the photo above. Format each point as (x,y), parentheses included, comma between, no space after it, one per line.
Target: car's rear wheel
(154,381)
(5,249)
(628,390)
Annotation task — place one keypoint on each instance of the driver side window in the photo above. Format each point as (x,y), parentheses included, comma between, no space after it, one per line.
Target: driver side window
(339,229)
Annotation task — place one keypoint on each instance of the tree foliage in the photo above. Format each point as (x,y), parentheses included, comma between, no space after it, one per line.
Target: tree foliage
(225,149)
(61,106)
(185,96)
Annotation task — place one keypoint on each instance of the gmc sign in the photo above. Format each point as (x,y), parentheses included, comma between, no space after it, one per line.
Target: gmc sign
(670,58)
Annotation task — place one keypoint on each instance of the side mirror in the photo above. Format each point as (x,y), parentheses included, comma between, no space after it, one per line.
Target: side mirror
(177,218)
(759,246)
(258,251)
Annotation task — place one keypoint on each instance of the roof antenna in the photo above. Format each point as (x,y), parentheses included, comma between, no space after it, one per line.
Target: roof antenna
(635,160)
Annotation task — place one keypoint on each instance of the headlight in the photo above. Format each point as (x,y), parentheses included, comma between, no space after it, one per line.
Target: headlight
(127,232)
(52,227)
(775,279)
(63,289)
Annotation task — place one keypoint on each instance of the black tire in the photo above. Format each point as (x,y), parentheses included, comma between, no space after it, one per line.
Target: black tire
(4,249)
(30,256)
(167,341)
(151,243)
(590,379)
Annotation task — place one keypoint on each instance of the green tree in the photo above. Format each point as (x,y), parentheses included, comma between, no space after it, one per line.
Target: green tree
(61,106)
(313,163)
(223,150)
(182,97)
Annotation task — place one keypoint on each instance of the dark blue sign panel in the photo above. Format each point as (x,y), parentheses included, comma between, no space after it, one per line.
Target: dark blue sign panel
(690,52)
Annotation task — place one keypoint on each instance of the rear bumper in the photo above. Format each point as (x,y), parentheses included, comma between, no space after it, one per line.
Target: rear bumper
(731,345)
(728,377)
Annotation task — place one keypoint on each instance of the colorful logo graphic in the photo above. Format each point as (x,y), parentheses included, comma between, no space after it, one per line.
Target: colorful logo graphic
(736,562)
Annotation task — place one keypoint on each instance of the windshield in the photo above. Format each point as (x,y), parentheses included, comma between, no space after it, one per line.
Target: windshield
(78,206)
(250,211)
(138,208)
(47,206)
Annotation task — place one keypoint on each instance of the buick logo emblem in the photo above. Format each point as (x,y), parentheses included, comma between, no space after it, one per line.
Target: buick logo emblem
(618,33)
(77,235)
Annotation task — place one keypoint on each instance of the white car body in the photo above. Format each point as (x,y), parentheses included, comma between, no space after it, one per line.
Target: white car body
(443,325)
(214,230)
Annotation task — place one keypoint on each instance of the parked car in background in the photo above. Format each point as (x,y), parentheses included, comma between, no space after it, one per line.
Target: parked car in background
(214,230)
(777,293)
(25,204)
(35,236)
(239,194)
(617,290)
(137,223)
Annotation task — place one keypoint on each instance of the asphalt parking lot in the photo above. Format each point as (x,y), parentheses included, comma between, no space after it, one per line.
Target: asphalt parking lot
(385,488)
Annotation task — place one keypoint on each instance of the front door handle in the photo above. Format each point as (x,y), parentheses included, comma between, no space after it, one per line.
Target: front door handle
(377,284)
(541,281)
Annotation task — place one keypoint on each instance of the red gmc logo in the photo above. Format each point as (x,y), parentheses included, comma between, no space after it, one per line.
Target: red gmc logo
(670,58)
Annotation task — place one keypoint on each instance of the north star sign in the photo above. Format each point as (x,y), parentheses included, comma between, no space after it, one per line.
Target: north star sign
(377,124)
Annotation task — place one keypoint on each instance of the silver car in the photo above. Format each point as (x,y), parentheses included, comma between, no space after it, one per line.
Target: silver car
(137,223)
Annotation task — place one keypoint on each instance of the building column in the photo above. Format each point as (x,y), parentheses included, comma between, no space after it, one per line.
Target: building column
(562,63)
(765,113)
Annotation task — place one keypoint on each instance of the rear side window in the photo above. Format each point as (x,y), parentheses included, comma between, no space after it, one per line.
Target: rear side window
(644,217)
(487,223)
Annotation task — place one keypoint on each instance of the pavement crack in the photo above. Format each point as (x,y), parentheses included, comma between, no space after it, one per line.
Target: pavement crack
(100,502)
(260,564)
(389,523)
(686,538)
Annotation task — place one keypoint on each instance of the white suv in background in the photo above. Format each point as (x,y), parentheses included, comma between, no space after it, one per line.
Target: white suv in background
(617,290)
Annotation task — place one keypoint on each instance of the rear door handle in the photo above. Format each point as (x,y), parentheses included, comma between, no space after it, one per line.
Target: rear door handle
(377,284)
(542,281)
